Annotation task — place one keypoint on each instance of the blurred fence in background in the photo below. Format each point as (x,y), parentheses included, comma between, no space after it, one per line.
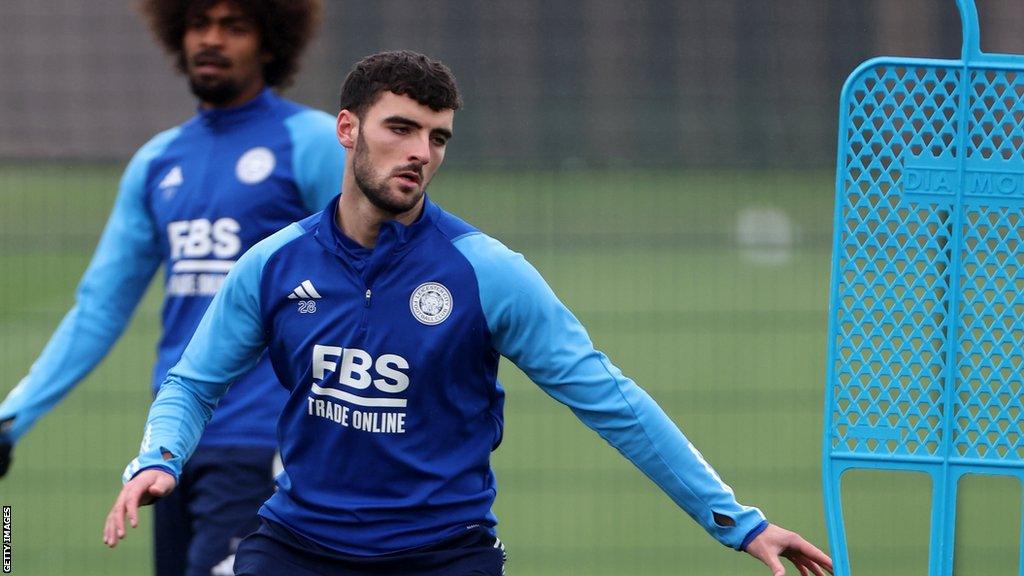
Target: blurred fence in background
(586,82)
(667,165)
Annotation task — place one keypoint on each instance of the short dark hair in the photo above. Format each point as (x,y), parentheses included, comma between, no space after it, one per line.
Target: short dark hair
(285,28)
(404,73)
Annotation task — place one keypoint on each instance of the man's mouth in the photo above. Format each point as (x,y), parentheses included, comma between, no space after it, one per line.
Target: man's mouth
(209,63)
(409,177)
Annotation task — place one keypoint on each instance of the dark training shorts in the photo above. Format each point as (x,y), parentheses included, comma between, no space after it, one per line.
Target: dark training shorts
(198,526)
(273,550)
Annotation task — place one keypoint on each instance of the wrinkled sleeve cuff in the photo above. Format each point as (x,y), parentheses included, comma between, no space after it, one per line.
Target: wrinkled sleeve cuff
(143,463)
(754,533)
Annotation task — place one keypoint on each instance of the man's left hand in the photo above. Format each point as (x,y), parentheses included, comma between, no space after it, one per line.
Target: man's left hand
(6,447)
(775,542)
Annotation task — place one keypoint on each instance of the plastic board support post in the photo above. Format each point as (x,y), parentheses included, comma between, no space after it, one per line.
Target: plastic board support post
(926,320)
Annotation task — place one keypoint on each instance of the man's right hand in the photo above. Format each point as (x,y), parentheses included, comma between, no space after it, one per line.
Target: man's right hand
(143,489)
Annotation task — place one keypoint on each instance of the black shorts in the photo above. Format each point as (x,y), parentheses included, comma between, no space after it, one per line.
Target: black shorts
(273,550)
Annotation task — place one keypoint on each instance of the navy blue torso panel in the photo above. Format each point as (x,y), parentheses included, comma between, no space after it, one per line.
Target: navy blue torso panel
(387,397)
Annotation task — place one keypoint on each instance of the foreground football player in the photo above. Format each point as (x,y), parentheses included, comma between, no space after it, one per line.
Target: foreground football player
(385,317)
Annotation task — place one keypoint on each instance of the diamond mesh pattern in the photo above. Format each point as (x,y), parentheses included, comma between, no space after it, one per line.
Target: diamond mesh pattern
(897,268)
(988,422)
(996,116)
(890,322)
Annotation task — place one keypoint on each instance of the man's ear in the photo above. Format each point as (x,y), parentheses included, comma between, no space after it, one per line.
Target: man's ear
(348,129)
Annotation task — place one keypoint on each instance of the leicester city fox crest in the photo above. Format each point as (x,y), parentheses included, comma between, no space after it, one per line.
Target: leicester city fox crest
(255,165)
(431,303)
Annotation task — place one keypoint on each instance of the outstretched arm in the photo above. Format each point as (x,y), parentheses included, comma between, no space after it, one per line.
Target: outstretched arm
(226,345)
(125,260)
(532,328)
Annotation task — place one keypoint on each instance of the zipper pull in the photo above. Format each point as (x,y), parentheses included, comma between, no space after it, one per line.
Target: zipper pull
(368,294)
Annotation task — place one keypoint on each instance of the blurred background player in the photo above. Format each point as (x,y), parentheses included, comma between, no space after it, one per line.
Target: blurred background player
(386,318)
(194,198)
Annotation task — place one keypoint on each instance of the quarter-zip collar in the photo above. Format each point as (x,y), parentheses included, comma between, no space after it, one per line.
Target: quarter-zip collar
(394,237)
(218,117)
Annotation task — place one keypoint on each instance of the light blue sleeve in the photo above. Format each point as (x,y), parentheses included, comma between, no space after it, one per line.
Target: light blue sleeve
(226,345)
(318,159)
(125,260)
(531,327)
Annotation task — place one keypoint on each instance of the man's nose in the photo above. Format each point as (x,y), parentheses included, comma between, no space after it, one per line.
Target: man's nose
(212,36)
(420,152)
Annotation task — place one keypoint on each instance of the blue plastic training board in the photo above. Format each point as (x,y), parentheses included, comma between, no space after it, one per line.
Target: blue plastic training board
(926,321)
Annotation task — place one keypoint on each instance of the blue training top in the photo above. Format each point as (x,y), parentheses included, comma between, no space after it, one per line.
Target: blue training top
(193,198)
(391,358)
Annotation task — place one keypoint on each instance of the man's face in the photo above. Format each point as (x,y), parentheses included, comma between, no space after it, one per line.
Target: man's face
(222,54)
(400,144)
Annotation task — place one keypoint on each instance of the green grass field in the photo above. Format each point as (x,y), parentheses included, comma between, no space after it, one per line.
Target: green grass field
(728,337)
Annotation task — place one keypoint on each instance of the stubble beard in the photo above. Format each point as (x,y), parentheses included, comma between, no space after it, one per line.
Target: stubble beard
(376,188)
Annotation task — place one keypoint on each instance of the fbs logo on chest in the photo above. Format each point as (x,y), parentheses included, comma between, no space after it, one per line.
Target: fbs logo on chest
(354,372)
(380,411)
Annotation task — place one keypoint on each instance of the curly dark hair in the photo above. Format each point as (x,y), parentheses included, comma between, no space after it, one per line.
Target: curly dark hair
(285,27)
(404,73)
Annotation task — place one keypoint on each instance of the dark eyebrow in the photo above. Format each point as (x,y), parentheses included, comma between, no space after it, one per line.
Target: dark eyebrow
(402,120)
(446,133)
